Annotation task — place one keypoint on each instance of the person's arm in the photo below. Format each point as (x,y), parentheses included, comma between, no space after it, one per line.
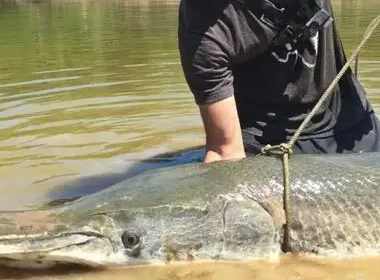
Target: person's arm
(206,63)
(209,76)
(223,132)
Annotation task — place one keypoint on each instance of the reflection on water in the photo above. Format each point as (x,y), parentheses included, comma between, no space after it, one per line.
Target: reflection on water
(89,89)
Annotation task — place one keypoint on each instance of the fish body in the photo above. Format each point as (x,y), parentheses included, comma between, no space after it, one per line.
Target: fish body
(230,210)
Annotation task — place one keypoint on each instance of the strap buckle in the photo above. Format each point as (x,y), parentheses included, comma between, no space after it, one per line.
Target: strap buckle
(321,19)
(311,19)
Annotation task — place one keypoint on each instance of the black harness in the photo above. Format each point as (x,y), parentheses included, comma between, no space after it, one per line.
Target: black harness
(293,27)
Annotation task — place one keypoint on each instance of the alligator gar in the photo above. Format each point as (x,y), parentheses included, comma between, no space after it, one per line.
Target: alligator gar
(231,210)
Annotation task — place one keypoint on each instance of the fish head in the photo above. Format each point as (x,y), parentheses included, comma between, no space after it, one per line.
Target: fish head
(221,229)
(41,239)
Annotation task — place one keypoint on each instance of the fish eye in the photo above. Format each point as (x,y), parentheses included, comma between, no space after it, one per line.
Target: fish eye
(130,239)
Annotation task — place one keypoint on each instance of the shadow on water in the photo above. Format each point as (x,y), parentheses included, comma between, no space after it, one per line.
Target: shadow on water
(91,184)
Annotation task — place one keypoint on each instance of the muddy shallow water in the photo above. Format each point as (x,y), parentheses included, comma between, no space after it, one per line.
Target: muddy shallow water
(289,268)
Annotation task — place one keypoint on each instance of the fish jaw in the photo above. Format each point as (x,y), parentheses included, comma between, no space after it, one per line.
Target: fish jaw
(42,239)
(88,249)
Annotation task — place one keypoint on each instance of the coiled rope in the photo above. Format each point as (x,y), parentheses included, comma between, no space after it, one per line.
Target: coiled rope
(285,149)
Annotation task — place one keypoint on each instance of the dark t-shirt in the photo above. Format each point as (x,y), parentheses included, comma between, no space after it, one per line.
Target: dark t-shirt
(224,52)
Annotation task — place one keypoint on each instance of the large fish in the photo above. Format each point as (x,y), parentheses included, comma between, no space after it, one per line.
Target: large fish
(221,211)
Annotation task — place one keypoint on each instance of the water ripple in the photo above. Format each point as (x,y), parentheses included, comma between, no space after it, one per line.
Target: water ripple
(39,81)
(70,88)
(61,70)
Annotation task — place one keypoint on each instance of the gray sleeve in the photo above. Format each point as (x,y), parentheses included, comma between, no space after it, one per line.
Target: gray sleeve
(206,67)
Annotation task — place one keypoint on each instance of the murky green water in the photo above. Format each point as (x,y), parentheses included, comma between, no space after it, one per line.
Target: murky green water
(87,88)
(90,88)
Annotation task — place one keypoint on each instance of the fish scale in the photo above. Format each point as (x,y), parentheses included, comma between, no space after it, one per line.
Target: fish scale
(340,215)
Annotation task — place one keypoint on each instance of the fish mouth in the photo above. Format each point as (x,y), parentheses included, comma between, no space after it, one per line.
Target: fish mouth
(84,248)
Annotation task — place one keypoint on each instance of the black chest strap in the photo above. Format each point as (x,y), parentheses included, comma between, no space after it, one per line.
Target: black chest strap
(294,27)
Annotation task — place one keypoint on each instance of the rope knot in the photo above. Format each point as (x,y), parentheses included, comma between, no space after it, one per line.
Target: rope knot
(277,150)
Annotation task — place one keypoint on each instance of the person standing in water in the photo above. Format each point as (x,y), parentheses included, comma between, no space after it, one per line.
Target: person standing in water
(252,91)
